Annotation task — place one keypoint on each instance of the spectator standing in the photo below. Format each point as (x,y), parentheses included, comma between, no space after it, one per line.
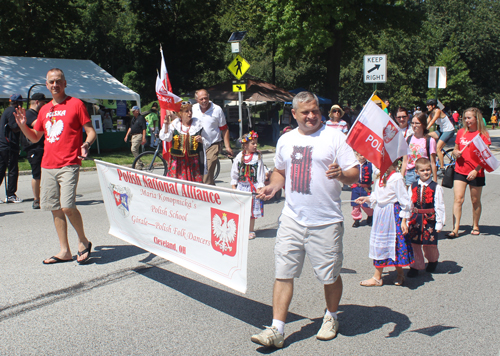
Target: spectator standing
(137,131)
(152,124)
(494,120)
(456,119)
(402,118)
(62,121)
(9,148)
(215,131)
(312,160)
(336,114)
(34,150)
(466,171)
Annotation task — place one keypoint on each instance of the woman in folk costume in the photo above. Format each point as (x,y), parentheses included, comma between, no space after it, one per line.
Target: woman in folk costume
(188,146)
(248,175)
(389,243)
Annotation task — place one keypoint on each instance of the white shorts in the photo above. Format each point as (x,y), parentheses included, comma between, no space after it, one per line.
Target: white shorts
(322,244)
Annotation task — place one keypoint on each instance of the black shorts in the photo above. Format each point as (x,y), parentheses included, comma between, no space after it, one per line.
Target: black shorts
(35,160)
(476,182)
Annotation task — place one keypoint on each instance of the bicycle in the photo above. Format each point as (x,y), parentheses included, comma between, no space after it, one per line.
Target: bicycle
(217,165)
(156,163)
(449,159)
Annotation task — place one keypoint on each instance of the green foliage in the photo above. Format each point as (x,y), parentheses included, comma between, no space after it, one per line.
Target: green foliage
(315,44)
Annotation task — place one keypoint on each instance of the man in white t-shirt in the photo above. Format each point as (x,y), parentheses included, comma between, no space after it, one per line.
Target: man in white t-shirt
(214,131)
(313,160)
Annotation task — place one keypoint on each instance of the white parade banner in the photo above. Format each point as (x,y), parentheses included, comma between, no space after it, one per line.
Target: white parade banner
(200,227)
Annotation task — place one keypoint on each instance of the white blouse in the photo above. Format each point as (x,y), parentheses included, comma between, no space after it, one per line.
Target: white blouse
(393,192)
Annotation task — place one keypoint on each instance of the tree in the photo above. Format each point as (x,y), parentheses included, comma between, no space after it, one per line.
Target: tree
(325,28)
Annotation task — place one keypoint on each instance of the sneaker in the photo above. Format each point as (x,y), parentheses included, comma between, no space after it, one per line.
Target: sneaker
(412,273)
(13,199)
(356,223)
(431,266)
(329,328)
(36,204)
(270,336)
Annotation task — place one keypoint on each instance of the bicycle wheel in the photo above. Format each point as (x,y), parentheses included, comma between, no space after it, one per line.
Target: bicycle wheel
(448,157)
(147,162)
(217,169)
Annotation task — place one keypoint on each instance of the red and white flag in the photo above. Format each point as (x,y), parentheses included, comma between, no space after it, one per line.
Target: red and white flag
(377,137)
(481,154)
(167,99)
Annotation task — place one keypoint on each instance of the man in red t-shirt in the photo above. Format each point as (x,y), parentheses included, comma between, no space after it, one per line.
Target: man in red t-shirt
(61,121)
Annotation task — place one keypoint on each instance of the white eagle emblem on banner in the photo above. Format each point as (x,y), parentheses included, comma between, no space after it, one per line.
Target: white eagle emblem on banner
(225,231)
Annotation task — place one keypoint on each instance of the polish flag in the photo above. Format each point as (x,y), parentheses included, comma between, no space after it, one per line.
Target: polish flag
(377,137)
(481,154)
(167,99)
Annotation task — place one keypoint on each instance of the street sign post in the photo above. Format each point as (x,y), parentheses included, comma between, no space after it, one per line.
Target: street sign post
(239,88)
(375,68)
(238,66)
(437,78)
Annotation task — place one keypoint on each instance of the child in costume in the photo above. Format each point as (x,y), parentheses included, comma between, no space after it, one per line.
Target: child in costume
(389,243)
(362,189)
(248,175)
(427,219)
(187,145)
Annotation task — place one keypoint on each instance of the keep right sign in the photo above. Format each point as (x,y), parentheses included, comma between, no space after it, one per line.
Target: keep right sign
(375,68)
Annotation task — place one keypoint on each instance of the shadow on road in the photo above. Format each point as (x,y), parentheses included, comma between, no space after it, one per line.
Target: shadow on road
(5,213)
(249,311)
(433,330)
(444,267)
(266,233)
(355,320)
(109,254)
(89,202)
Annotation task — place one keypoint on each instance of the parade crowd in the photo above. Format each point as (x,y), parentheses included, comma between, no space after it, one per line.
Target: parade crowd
(404,204)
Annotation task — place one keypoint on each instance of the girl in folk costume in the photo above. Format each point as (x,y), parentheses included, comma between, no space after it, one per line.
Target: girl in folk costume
(362,189)
(187,145)
(389,245)
(427,219)
(248,175)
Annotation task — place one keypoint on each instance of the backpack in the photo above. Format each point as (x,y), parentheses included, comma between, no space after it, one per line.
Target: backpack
(427,144)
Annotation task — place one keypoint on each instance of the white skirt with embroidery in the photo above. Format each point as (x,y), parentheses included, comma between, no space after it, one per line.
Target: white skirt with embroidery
(257,204)
(383,234)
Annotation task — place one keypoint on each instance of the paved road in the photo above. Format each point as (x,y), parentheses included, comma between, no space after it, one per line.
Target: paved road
(129,302)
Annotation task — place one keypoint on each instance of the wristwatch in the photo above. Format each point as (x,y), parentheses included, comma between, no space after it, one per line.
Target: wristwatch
(88,143)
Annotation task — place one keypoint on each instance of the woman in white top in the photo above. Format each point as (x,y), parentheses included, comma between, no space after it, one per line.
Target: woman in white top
(445,131)
(188,146)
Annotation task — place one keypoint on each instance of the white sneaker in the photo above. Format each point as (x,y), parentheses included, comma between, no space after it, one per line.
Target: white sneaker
(329,328)
(270,336)
(13,199)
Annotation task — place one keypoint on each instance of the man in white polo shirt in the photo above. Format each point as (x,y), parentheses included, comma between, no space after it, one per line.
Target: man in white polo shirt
(214,131)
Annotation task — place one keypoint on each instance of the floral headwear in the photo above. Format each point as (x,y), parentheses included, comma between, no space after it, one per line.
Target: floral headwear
(249,136)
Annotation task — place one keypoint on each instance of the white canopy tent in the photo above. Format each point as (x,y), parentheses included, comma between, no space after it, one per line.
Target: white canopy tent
(86,80)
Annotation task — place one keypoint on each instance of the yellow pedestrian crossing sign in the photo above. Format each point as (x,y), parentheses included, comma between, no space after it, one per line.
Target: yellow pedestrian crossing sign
(238,66)
(239,87)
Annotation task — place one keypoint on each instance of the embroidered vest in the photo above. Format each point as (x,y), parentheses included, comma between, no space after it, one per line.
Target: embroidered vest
(427,201)
(185,142)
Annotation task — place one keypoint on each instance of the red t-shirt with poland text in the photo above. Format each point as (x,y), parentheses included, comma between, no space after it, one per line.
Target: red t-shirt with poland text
(62,125)
(464,164)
